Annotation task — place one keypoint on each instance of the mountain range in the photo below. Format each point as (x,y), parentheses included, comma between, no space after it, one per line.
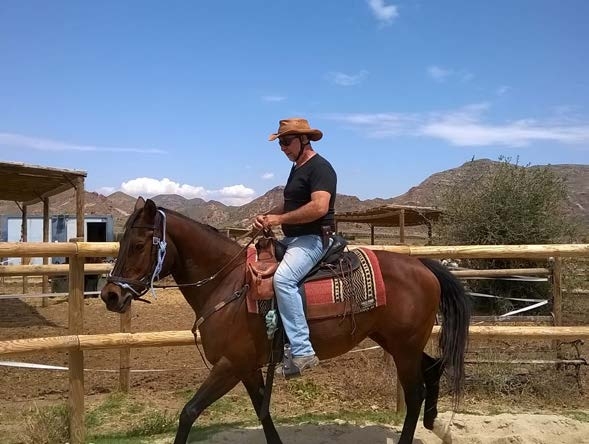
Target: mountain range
(427,193)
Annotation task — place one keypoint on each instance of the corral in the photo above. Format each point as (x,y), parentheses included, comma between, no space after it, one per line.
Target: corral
(173,369)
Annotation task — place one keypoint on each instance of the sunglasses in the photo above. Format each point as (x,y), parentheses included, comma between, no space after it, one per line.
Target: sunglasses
(286,141)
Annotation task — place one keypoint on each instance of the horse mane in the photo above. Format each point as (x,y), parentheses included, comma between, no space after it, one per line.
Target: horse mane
(207,227)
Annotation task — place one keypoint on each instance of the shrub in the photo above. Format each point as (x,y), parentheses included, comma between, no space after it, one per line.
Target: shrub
(506,204)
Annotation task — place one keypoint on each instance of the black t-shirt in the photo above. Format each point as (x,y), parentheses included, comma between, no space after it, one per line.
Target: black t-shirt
(316,174)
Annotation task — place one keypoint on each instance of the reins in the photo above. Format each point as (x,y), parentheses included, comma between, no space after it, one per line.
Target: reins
(147,282)
(217,273)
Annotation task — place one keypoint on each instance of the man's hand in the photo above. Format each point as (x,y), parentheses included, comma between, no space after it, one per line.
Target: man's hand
(266,221)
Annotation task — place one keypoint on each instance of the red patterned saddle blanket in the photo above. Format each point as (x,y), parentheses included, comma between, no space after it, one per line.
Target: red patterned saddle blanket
(361,290)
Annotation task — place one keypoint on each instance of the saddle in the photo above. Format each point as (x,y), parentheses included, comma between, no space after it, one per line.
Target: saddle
(335,263)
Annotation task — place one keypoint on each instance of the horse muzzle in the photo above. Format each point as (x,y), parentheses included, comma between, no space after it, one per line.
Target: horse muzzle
(115,298)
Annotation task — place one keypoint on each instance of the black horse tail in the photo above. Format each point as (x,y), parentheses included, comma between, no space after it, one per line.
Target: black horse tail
(455,308)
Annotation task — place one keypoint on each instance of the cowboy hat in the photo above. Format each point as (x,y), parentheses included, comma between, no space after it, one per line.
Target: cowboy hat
(296,126)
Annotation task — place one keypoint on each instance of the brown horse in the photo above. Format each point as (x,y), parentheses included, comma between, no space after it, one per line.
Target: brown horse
(210,268)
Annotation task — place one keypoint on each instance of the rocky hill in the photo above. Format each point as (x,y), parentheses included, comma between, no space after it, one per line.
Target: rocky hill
(215,213)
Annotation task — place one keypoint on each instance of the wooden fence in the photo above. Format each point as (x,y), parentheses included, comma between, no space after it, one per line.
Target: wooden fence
(75,343)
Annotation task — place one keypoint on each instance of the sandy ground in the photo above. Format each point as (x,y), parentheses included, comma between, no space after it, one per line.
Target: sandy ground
(471,429)
(362,380)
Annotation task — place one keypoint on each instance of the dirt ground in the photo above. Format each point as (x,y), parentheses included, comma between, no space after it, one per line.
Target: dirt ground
(357,381)
(465,429)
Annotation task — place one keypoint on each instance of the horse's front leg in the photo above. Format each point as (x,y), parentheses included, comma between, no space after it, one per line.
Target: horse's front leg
(218,383)
(254,383)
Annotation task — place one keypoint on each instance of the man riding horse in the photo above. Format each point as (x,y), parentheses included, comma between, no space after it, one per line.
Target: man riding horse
(306,215)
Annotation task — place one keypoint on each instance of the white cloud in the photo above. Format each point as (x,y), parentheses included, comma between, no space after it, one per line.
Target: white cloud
(466,127)
(106,191)
(342,79)
(441,74)
(20,141)
(502,90)
(273,98)
(267,176)
(149,187)
(437,73)
(234,195)
(385,14)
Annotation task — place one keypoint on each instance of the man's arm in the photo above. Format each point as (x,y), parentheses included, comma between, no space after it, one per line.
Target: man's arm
(316,208)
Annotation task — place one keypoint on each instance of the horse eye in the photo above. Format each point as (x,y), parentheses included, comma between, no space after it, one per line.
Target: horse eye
(139,247)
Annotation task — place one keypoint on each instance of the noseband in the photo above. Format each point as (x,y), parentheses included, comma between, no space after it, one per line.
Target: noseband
(146,282)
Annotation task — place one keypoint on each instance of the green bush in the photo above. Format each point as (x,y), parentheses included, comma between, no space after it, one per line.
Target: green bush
(506,204)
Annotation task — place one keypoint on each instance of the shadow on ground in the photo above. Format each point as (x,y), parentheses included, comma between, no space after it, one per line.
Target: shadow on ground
(15,313)
(309,434)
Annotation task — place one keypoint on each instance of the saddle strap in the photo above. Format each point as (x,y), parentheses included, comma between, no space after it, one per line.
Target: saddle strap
(236,295)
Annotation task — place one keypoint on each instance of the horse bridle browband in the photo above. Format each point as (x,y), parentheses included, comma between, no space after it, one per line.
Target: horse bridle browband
(146,283)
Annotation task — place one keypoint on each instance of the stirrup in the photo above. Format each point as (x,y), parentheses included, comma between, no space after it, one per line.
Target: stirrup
(294,367)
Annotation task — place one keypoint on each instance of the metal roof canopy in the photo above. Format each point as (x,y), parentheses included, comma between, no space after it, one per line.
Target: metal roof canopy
(393,215)
(31,184)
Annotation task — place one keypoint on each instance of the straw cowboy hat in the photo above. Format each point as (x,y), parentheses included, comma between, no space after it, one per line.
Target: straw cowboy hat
(296,126)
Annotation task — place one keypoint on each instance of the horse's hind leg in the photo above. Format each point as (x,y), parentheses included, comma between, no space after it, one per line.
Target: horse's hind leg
(255,387)
(410,376)
(217,384)
(408,363)
(432,371)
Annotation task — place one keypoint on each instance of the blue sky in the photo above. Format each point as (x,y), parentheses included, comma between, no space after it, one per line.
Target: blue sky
(180,96)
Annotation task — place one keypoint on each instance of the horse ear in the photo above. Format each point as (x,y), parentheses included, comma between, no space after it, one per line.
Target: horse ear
(140,203)
(150,208)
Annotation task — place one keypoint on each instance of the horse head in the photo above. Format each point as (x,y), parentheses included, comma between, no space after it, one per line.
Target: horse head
(141,259)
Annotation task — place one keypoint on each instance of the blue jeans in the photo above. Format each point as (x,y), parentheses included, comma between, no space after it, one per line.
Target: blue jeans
(302,254)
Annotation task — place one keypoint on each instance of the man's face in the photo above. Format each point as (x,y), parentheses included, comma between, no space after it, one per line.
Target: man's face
(290,146)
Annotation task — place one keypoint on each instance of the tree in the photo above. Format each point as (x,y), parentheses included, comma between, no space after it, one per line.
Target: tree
(506,204)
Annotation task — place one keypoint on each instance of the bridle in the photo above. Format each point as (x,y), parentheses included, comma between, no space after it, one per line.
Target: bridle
(146,283)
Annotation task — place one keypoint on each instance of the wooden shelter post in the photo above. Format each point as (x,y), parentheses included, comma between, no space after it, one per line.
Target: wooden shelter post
(24,235)
(80,208)
(371,234)
(45,284)
(402,226)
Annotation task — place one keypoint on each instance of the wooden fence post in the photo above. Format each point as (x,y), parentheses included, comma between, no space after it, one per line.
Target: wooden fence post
(557,290)
(556,267)
(76,357)
(125,354)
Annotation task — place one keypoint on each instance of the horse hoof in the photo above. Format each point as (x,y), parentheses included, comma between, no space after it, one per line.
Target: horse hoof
(442,432)
(429,420)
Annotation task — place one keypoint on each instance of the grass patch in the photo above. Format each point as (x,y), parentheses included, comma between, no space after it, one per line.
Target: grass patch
(578,415)
(155,423)
(305,390)
(46,425)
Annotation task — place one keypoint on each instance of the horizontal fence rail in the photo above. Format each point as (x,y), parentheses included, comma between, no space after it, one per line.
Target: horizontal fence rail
(50,270)
(487,251)
(105,249)
(57,269)
(49,249)
(185,337)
